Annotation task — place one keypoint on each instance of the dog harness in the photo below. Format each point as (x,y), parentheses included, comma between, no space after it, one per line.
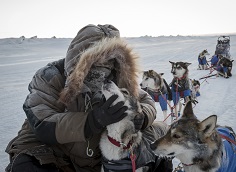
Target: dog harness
(142,156)
(158,96)
(228,162)
(180,89)
(202,60)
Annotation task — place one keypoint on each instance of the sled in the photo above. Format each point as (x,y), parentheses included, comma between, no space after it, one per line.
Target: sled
(223,46)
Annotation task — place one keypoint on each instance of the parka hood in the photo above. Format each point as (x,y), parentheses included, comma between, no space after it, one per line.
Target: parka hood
(85,38)
(126,66)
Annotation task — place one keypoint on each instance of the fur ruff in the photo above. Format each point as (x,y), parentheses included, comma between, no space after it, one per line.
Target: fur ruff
(126,66)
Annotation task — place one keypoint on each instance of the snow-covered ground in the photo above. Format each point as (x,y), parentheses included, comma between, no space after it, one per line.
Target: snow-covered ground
(19,60)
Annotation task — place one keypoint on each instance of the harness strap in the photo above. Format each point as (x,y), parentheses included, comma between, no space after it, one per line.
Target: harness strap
(228,139)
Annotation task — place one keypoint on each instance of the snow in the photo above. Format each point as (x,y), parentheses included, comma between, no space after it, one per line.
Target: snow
(20,59)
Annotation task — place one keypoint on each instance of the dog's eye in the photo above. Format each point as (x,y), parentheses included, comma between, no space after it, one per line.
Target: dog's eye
(146,79)
(176,136)
(125,92)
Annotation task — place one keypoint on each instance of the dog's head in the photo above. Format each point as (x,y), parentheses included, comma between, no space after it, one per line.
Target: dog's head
(152,80)
(226,62)
(179,69)
(196,84)
(134,108)
(204,53)
(188,138)
(109,88)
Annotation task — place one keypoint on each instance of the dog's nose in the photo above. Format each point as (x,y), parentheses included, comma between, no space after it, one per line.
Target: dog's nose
(141,84)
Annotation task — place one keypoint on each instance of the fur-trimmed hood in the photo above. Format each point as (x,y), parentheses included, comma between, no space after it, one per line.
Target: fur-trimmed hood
(126,66)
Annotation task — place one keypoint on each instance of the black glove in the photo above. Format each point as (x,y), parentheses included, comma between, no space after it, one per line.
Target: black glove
(103,115)
(140,122)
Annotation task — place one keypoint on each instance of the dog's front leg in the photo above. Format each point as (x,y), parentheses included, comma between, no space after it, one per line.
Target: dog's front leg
(180,108)
(176,109)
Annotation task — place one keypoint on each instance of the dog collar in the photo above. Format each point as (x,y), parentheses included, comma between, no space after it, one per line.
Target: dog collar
(188,164)
(119,144)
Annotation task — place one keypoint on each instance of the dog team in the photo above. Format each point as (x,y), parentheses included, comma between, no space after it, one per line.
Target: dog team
(181,87)
(221,61)
(87,113)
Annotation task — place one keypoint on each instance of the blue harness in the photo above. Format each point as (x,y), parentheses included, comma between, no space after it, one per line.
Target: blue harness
(228,162)
(160,97)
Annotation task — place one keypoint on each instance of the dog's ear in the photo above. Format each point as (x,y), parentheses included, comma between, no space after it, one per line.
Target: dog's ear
(232,60)
(145,72)
(188,111)
(151,72)
(208,125)
(171,62)
(187,64)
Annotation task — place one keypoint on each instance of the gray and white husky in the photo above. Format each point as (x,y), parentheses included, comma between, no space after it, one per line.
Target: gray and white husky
(157,87)
(180,85)
(197,144)
(202,61)
(123,132)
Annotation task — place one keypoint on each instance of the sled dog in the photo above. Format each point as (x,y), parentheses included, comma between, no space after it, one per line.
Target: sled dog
(199,145)
(195,89)
(224,67)
(202,61)
(122,132)
(157,87)
(180,85)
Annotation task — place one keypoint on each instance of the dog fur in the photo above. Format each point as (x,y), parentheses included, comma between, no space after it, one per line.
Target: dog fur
(124,130)
(224,67)
(180,85)
(195,143)
(202,61)
(195,89)
(156,86)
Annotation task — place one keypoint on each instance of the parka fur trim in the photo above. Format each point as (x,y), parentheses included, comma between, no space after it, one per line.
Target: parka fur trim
(126,66)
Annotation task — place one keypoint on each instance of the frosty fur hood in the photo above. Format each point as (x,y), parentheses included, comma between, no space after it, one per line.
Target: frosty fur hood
(126,66)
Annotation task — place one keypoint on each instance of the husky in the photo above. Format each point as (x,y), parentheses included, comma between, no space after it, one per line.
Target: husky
(195,89)
(180,85)
(224,67)
(122,132)
(121,139)
(202,61)
(201,146)
(157,87)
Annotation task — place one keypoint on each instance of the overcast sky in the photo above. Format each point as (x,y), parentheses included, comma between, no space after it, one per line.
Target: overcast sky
(64,18)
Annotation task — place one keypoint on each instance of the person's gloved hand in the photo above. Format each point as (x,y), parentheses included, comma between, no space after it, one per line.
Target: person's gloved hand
(104,114)
(139,122)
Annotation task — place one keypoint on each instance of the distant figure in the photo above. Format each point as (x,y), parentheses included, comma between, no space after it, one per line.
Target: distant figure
(22,38)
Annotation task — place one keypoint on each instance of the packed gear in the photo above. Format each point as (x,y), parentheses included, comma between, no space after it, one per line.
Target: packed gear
(223,46)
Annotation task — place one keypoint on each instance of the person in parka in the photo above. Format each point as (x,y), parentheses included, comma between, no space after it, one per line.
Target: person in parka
(66,112)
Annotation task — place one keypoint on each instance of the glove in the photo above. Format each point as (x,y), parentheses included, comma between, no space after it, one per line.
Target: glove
(103,115)
(139,122)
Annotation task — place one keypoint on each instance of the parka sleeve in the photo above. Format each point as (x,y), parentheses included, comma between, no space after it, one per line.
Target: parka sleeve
(46,115)
(148,107)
